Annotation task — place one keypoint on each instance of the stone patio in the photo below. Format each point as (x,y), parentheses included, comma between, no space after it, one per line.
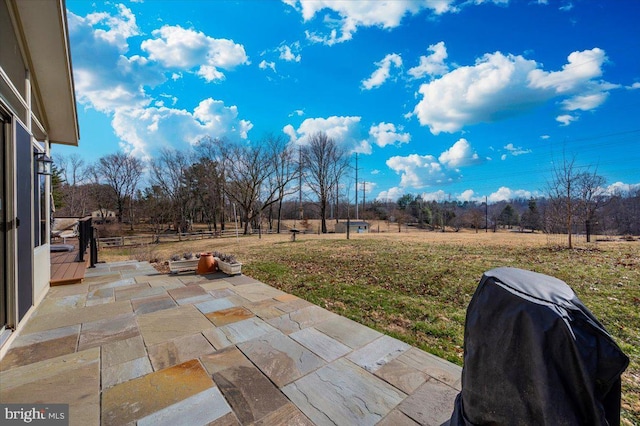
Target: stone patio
(130,346)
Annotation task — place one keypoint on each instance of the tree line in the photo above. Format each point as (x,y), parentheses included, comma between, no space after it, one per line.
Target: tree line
(262,183)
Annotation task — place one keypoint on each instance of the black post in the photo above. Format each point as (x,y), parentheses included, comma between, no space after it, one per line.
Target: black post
(93,249)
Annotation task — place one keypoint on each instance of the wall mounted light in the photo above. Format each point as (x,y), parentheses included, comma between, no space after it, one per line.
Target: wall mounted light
(43,164)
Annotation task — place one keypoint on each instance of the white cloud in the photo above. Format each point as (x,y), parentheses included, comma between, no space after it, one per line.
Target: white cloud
(566,7)
(460,154)
(417,171)
(620,188)
(115,84)
(438,195)
(346,131)
(287,52)
(498,86)
(385,134)
(140,128)
(503,157)
(177,47)
(391,194)
(467,196)
(506,194)
(380,75)
(585,102)
(581,69)
(634,86)
(432,65)
(516,150)
(545,137)
(363,13)
(566,119)
(297,112)
(264,65)
(114,29)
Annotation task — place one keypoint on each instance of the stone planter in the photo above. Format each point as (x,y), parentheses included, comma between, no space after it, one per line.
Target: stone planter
(229,268)
(176,266)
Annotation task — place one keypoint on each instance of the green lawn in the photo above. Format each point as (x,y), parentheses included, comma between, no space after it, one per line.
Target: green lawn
(418,292)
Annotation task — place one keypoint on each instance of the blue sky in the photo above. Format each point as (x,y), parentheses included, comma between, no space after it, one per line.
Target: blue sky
(451,99)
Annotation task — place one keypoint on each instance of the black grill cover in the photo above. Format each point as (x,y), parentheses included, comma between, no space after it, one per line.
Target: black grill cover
(535,355)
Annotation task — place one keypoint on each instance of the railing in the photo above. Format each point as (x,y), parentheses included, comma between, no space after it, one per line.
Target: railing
(86,239)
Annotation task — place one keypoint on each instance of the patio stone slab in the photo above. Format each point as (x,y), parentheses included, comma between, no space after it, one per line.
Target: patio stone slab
(348,332)
(35,352)
(226,420)
(292,304)
(97,333)
(398,418)
(265,309)
(67,290)
(379,352)
(435,367)
(214,305)
(199,409)
(215,285)
(121,351)
(238,332)
(168,324)
(249,393)
(77,316)
(343,393)
(280,358)
(224,359)
(301,319)
(186,292)
(138,291)
(145,305)
(125,371)
(402,376)
(229,315)
(179,350)
(43,336)
(430,405)
(61,304)
(72,379)
(112,284)
(241,280)
(138,398)
(286,415)
(256,292)
(319,343)
(195,299)
(220,293)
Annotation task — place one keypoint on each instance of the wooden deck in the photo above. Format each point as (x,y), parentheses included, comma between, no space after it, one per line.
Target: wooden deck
(65,268)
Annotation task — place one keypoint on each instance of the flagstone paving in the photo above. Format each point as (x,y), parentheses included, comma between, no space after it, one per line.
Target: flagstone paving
(131,346)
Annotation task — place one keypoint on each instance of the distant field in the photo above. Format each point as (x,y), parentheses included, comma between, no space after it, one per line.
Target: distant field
(416,285)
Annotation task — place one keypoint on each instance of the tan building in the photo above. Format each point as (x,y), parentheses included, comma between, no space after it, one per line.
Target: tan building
(37,109)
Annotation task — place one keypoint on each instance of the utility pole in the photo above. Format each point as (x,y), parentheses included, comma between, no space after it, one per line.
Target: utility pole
(300,181)
(356,186)
(364,194)
(486,215)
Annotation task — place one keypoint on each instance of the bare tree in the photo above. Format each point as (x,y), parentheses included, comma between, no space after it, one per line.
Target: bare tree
(325,164)
(168,173)
(285,170)
(75,192)
(590,188)
(251,178)
(572,194)
(121,173)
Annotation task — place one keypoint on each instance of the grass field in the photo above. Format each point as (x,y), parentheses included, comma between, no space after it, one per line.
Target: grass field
(416,286)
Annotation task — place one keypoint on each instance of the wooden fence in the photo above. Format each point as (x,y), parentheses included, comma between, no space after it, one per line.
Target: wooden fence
(138,240)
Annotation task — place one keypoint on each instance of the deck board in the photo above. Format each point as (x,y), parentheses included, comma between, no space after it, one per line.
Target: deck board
(66,269)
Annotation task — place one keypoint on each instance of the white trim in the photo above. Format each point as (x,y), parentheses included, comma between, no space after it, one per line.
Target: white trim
(24,103)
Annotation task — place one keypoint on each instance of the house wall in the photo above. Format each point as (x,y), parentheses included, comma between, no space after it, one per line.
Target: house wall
(23,284)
